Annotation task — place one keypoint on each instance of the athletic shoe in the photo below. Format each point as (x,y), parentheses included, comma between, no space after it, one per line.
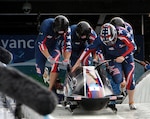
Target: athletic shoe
(132,106)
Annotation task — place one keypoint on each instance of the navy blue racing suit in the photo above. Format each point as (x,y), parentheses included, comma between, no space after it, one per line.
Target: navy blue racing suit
(78,45)
(123,47)
(55,43)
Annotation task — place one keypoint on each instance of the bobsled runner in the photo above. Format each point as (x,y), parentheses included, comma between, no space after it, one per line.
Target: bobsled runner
(84,88)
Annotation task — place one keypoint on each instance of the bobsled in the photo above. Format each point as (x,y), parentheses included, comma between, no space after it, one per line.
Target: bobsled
(84,88)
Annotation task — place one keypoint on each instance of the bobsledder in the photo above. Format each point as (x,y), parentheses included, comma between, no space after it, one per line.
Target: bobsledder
(86,89)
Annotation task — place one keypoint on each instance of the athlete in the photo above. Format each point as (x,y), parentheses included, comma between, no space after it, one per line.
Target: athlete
(54,39)
(119,22)
(82,35)
(116,45)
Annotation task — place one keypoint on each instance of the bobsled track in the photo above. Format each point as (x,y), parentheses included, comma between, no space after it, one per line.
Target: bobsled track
(142,100)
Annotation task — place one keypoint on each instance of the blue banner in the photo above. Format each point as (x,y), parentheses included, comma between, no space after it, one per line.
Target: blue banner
(21,46)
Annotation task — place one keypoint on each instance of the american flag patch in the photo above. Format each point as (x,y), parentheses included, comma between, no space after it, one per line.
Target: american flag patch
(77,98)
(113,97)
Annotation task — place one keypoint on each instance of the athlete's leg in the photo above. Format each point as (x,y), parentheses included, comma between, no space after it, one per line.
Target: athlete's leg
(54,69)
(115,69)
(129,74)
(131,98)
(53,77)
(40,60)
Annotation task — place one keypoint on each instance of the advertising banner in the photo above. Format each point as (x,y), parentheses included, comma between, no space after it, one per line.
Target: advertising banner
(21,46)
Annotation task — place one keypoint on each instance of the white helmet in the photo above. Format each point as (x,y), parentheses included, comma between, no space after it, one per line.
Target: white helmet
(108,34)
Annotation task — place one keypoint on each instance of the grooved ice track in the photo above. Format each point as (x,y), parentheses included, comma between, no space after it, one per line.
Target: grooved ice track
(123,112)
(60,112)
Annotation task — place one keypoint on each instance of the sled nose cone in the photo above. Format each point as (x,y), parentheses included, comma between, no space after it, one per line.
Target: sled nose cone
(91,104)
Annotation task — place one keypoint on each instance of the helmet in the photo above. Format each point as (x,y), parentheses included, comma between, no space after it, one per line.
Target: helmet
(83,29)
(61,24)
(117,21)
(108,34)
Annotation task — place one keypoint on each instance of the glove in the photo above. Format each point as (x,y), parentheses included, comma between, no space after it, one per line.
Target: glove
(51,60)
(65,62)
(95,62)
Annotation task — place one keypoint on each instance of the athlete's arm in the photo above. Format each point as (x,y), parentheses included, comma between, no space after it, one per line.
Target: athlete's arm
(128,44)
(67,49)
(86,52)
(43,48)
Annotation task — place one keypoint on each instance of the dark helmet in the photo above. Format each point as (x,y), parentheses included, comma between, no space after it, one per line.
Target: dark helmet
(117,21)
(83,29)
(61,24)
